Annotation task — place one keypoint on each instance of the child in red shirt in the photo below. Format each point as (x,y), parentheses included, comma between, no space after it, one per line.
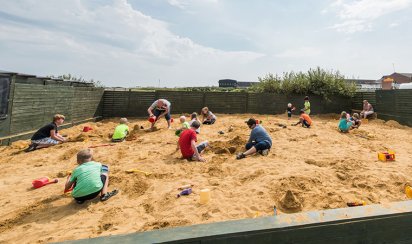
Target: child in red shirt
(187,143)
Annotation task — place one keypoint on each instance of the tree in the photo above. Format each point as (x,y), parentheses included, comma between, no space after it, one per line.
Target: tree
(315,81)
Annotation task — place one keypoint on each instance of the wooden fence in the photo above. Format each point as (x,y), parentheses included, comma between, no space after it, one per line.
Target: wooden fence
(136,103)
(32,105)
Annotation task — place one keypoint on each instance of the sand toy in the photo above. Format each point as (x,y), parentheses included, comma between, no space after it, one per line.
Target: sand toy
(43,181)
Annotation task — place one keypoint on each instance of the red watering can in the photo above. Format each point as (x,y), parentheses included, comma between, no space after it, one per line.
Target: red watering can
(42,182)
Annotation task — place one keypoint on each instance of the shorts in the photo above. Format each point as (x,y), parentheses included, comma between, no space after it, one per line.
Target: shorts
(158,112)
(95,194)
(289,114)
(260,146)
(200,148)
(305,123)
(47,140)
(209,122)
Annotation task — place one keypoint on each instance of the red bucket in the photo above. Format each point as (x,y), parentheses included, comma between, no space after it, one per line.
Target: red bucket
(87,128)
(257,121)
(171,120)
(152,119)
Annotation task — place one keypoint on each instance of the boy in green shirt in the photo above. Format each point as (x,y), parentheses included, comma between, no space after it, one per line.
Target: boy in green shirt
(121,131)
(306,105)
(89,179)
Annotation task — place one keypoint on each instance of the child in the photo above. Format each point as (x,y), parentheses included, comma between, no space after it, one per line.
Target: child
(48,135)
(193,117)
(208,117)
(304,119)
(185,125)
(89,179)
(290,109)
(356,121)
(187,144)
(121,131)
(306,105)
(259,140)
(344,125)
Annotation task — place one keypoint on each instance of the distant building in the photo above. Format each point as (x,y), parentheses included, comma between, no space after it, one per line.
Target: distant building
(366,85)
(235,83)
(394,80)
(227,83)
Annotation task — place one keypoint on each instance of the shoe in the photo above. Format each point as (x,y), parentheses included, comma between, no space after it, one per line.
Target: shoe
(80,201)
(240,156)
(31,148)
(108,195)
(264,152)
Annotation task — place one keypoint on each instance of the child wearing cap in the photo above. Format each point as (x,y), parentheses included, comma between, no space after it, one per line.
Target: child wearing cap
(290,109)
(304,119)
(259,140)
(89,179)
(48,135)
(121,131)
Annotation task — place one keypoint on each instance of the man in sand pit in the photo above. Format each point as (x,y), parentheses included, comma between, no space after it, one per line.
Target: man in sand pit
(48,135)
(187,143)
(158,109)
(259,140)
(89,179)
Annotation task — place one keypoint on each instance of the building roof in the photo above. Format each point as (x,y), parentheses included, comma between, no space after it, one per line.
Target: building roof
(363,81)
(406,74)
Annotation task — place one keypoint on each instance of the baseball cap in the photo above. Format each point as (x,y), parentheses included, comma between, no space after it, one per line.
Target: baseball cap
(251,121)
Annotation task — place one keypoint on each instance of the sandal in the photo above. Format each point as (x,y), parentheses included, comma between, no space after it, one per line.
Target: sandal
(108,195)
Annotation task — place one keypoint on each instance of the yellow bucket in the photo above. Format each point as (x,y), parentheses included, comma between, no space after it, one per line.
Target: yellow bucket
(408,191)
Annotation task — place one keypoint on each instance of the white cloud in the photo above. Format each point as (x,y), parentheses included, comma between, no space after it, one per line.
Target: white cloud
(105,41)
(359,15)
(299,52)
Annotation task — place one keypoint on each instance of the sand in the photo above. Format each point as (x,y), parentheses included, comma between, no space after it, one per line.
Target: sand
(307,169)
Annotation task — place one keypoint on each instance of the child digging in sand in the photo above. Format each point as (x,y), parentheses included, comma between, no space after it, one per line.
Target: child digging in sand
(121,131)
(193,117)
(185,125)
(187,144)
(344,124)
(304,119)
(89,179)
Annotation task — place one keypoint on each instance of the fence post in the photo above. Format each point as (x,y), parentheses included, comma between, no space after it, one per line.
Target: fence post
(247,102)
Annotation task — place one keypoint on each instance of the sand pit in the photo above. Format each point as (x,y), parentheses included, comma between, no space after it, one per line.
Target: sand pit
(307,169)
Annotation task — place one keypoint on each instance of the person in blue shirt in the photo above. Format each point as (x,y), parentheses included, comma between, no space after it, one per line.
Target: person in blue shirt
(259,140)
(344,124)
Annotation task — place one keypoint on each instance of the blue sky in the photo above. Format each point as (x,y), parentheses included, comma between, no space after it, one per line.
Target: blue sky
(195,43)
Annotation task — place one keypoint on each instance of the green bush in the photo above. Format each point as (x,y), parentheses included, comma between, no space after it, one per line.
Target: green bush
(315,81)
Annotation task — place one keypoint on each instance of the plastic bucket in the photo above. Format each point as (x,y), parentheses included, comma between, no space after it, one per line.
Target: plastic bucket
(152,119)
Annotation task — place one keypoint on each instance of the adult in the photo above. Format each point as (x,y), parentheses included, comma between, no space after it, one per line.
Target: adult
(208,117)
(306,105)
(187,143)
(158,109)
(259,140)
(89,179)
(367,109)
(48,135)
